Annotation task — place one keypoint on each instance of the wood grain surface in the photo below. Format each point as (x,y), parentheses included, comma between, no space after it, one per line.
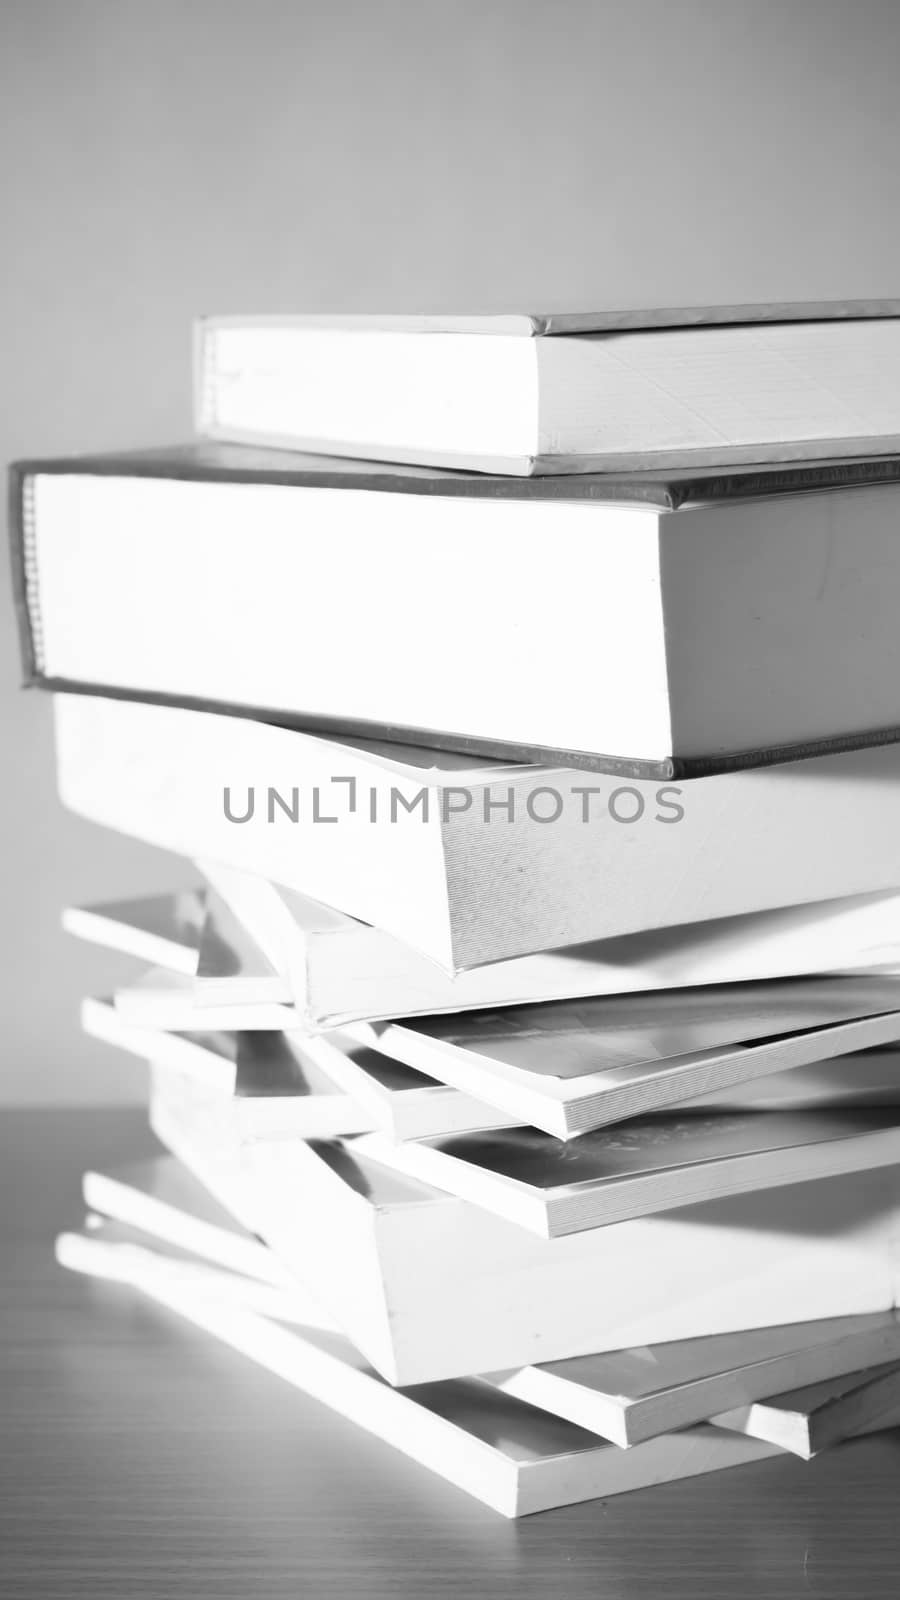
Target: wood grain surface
(140,1459)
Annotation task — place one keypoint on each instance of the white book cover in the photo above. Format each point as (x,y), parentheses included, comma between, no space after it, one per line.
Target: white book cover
(160,998)
(165,930)
(338,969)
(568,1068)
(271,1084)
(343,970)
(865,1078)
(808,1419)
(163,1198)
(460,882)
(124,1253)
(231,967)
(192,935)
(721,675)
(536,394)
(644,1166)
(626,1396)
(510,1455)
(431,1287)
(631,1395)
(252,1085)
(408,1105)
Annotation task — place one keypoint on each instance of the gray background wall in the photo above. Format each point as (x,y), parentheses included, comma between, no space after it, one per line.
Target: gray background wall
(162,158)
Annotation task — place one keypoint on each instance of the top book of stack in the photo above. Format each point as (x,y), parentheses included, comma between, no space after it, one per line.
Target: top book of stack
(561,393)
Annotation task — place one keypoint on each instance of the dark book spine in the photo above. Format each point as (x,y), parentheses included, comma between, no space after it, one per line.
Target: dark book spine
(26,598)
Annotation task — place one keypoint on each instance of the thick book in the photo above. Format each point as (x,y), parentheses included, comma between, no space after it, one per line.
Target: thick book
(808,1419)
(657,625)
(507,1454)
(429,1286)
(564,392)
(626,1396)
(568,1067)
(446,856)
(643,1167)
(279,947)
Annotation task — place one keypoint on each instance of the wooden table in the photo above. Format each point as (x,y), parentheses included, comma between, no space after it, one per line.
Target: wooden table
(138,1459)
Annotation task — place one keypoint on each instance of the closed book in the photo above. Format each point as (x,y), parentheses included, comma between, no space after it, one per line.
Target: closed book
(446,856)
(626,1396)
(125,1253)
(631,1395)
(408,1105)
(280,947)
(642,1167)
(569,1067)
(508,1454)
(429,1286)
(192,934)
(657,625)
(563,1067)
(164,1199)
(863,1078)
(806,1420)
(164,929)
(252,1085)
(266,1084)
(561,392)
(160,998)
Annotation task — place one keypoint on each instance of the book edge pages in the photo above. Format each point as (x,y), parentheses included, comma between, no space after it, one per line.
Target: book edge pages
(549,323)
(562,463)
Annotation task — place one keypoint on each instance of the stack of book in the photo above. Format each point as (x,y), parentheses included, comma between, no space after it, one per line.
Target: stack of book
(526,1046)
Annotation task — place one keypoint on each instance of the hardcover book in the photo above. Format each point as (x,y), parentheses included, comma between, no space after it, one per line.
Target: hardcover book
(752,612)
(561,392)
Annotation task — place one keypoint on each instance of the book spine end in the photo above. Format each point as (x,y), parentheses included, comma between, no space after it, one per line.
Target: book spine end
(25,584)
